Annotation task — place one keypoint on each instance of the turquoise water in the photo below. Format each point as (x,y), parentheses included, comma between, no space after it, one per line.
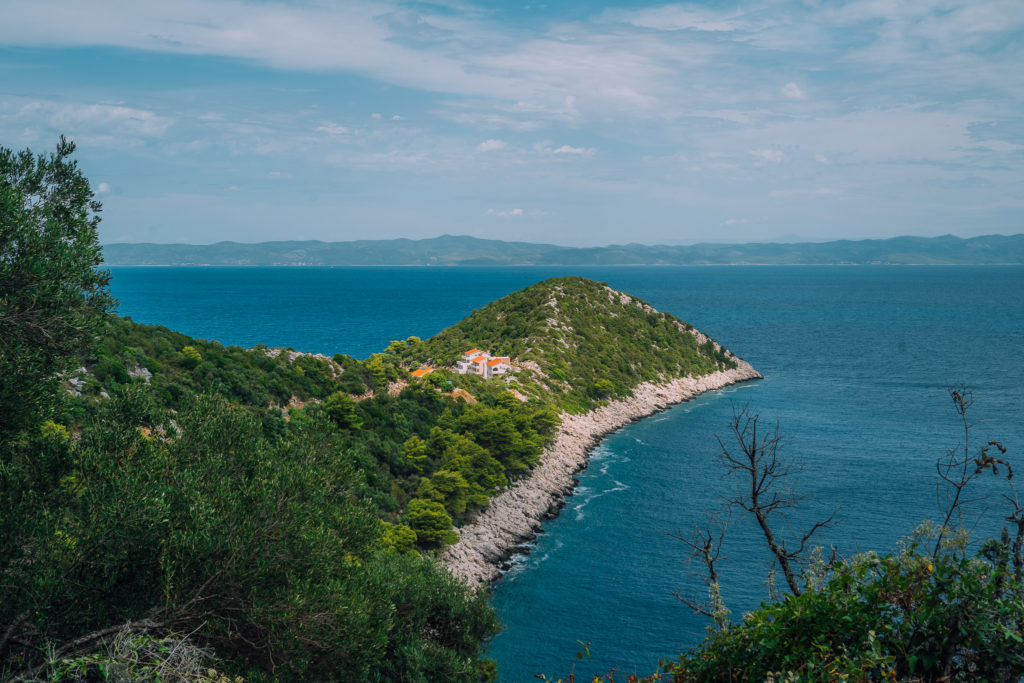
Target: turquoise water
(856,361)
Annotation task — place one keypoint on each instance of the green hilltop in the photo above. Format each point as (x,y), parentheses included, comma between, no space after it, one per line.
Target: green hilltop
(578,342)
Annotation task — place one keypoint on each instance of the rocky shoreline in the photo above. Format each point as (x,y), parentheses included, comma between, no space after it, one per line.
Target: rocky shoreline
(515,515)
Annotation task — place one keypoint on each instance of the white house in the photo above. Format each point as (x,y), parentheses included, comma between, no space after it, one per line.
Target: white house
(477,362)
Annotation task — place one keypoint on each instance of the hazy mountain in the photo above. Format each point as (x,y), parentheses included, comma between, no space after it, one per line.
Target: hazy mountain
(450,250)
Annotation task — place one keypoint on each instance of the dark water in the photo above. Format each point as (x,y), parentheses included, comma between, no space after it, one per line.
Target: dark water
(856,364)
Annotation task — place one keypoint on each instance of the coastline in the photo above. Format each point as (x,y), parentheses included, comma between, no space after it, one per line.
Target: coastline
(516,515)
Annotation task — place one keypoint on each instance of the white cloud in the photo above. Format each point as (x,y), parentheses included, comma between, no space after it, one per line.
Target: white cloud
(102,188)
(905,134)
(1001,146)
(735,221)
(812,192)
(768,156)
(491,146)
(107,123)
(793,91)
(680,17)
(333,129)
(521,116)
(574,151)
(456,51)
(900,91)
(512,213)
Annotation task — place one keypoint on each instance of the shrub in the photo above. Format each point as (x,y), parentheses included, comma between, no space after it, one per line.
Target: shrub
(190,357)
(432,524)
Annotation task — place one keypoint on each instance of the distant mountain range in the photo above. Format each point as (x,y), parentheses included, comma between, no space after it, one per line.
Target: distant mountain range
(450,250)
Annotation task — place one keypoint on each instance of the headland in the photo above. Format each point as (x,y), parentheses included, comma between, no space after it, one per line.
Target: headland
(517,514)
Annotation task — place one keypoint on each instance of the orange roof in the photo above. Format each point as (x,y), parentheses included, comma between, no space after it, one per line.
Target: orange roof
(478,359)
(471,352)
(494,361)
(504,358)
(422,371)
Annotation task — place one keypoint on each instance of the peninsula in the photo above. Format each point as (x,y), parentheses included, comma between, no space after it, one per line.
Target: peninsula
(576,332)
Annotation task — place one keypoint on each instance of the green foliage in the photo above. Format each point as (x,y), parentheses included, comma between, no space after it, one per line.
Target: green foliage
(433,526)
(340,407)
(182,366)
(110,371)
(407,441)
(415,451)
(399,538)
(603,387)
(448,488)
(947,614)
(263,551)
(907,616)
(590,342)
(52,296)
(375,432)
(51,431)
(191,357)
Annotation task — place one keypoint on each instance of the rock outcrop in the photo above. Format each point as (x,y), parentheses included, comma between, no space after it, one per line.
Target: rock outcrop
(516,514)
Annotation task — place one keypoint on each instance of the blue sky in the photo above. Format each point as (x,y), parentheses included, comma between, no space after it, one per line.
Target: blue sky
(578,123)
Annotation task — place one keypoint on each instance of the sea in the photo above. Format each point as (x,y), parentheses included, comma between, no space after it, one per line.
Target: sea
(857,361)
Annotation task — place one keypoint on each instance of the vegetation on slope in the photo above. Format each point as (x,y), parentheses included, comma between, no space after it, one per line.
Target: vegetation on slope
(578,342)
(198,523)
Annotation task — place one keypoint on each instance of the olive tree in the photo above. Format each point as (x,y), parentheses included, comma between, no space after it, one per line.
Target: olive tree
(52,293)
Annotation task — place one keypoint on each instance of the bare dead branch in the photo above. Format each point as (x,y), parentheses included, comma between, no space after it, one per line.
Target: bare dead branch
(758,461)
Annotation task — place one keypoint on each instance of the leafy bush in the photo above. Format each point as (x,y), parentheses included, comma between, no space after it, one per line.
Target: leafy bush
(907,616)
(430,521)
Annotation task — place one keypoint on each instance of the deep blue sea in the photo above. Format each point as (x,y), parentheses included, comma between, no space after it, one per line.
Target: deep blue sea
(856,362)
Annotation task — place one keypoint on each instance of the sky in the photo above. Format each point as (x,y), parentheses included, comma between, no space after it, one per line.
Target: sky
(578,122)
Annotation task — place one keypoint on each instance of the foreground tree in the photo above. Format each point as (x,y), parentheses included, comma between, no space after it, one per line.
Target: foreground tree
(767,491)
(52,296)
